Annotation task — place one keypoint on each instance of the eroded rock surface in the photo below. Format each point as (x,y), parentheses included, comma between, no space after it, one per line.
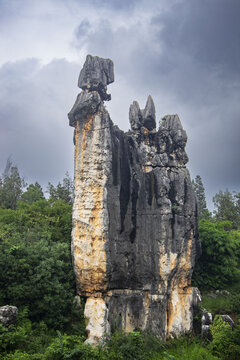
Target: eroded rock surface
(135,238)
(96,74)
(8,315)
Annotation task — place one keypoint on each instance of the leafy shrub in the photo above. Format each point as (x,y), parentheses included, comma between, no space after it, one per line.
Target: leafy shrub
(24,338)
(122,346)
(12,338)
(136,345)
(226,341)
(217,266)
(19,355)
(71,347)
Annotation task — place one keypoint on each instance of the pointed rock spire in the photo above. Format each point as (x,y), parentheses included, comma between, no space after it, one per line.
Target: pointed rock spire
(145,117)
(149,114)
(135,116)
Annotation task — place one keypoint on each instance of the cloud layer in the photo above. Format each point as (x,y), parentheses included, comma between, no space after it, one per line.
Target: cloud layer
(185,53)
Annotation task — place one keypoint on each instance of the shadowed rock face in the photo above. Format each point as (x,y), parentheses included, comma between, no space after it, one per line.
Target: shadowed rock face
(134,238)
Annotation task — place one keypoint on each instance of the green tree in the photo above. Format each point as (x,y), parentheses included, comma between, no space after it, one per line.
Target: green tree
(217,266)
(63,191)
(235,235)
(35,263)
(227,207)
(33,193)
(11,186)
(237,200)
(200,193)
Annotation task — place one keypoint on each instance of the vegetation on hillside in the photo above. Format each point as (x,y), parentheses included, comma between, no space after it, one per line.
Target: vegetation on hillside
(219,264)
(36,275)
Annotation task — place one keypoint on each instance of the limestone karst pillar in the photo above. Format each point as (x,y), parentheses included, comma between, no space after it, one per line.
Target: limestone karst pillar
(135,237)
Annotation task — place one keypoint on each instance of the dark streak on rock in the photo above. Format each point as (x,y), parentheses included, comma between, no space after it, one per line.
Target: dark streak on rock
(135,188)
(125,182)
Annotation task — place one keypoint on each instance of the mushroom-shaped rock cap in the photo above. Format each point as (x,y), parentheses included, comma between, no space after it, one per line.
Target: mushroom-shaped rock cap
(96,72)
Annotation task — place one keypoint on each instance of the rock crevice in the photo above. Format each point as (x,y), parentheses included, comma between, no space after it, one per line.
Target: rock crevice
(135,238)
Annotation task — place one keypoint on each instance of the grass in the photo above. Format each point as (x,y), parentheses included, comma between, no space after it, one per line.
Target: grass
(224,303)
(219,305)
(187,348)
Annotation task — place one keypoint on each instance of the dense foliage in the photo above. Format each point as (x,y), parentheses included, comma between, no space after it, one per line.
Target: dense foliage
(36,275)
(35,261)
(25,342)
(227,207)
(35,236)
(11,186)
(63,191)
(33,193)
(226,341)
(218,265)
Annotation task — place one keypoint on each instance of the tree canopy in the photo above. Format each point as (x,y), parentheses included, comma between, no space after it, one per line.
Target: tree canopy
(199,189)
(63,191)
(219,261)
(33,193)
(35,236)
(227,207)
(11,186)
(35,262)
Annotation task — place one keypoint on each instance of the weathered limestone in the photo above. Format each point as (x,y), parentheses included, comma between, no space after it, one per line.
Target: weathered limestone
(135,237)
(145,117)
(96,74)
(8,315)
(95,313)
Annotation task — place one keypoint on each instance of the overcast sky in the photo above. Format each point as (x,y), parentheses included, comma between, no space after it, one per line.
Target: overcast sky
(185,53)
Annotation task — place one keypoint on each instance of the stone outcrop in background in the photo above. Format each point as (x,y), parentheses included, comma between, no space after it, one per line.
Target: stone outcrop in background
(135,235)
(8,315)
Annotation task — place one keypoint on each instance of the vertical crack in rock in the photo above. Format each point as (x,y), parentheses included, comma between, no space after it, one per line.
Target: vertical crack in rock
(135,232)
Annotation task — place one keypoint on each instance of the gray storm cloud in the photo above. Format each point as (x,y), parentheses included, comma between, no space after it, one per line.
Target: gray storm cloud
(34,101)
(184,53)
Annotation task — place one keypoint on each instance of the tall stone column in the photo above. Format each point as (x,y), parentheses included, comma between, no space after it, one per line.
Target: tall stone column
(135,237)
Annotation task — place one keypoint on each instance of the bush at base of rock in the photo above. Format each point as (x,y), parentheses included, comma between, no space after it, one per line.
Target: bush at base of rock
(226,340)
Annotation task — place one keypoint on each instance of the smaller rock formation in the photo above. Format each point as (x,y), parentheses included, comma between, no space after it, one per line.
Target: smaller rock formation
(228,320)
(207,320)
(8,315)
(143,118)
